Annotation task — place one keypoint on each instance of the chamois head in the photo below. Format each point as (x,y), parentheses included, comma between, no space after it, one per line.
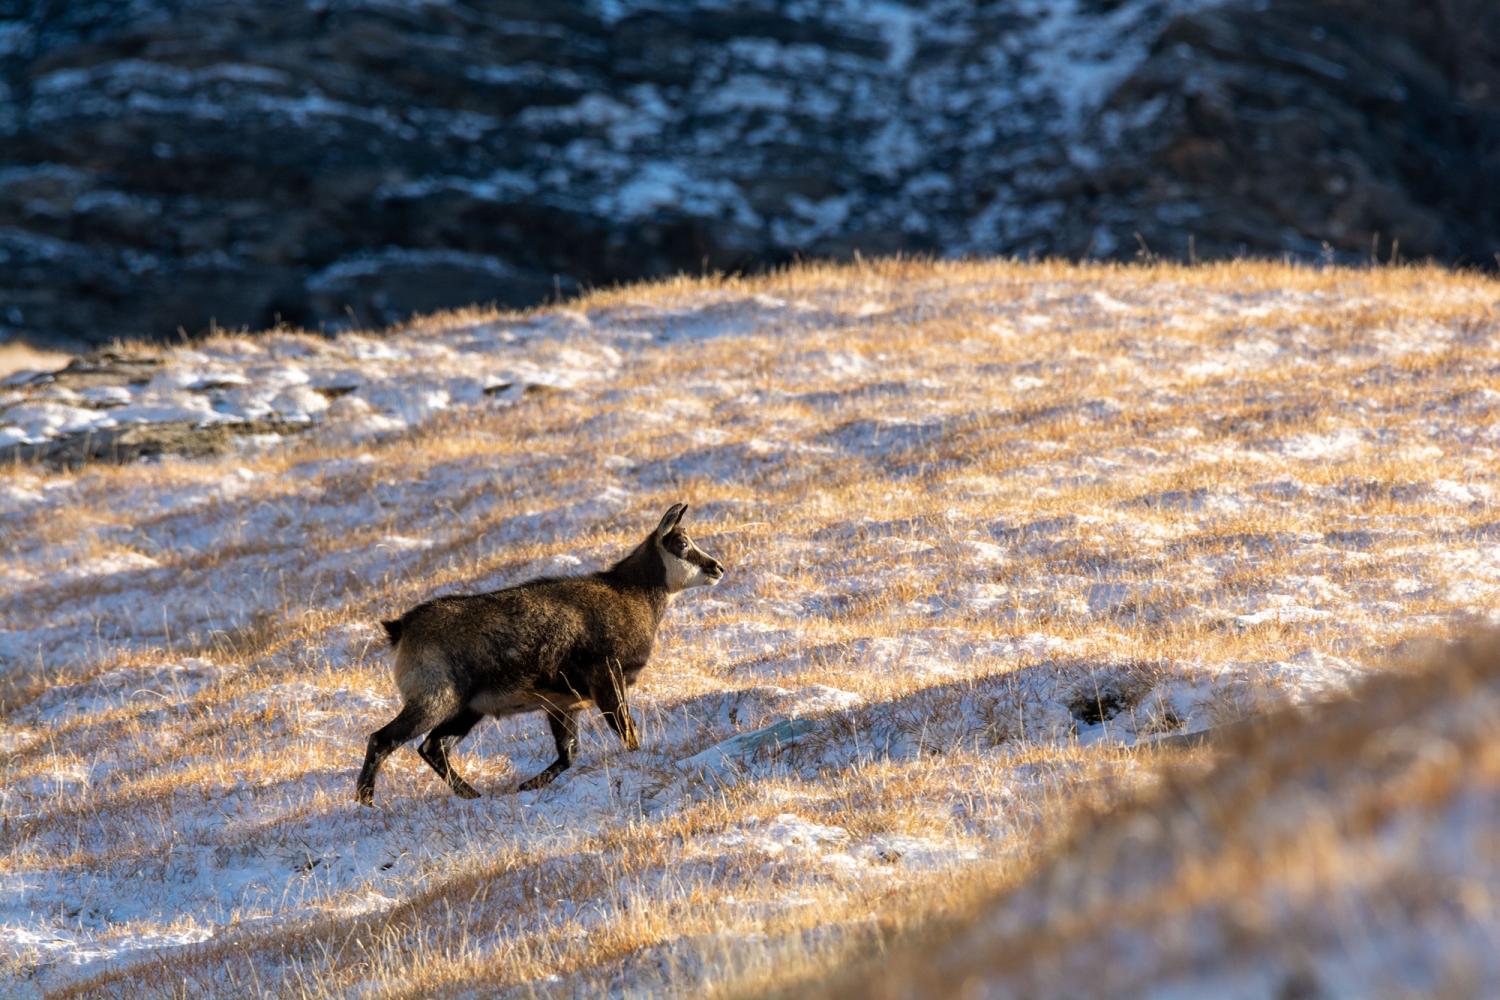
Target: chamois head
(686,564)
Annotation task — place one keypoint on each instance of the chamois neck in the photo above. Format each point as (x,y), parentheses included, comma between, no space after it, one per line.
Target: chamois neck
(641,568)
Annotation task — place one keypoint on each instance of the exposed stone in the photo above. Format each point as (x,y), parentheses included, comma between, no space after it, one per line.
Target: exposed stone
(122,445)
(169,165)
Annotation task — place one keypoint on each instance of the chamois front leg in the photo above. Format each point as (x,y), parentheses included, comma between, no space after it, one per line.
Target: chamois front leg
(564,724)
(609,695)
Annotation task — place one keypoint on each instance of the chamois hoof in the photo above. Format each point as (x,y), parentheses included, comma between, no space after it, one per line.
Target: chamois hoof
(466,791)
(364,796)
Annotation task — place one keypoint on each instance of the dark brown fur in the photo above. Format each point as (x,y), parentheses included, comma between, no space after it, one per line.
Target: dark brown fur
(552,645)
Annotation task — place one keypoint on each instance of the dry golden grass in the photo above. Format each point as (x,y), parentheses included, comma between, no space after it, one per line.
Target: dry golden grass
(16,357)
(1341,849)
(970,498)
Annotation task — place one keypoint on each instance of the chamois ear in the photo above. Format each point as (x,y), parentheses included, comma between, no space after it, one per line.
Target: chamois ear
(670,518)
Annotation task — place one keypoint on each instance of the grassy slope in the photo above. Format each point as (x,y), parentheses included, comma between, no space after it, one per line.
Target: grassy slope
(1345,851)
(951,498)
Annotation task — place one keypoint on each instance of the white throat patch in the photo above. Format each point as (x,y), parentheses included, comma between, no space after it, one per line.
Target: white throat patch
(683,573)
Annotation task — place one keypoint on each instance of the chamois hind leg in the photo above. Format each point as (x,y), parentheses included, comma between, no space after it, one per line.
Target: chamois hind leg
(414,717)
(609,695)
(434,750)
(564,724)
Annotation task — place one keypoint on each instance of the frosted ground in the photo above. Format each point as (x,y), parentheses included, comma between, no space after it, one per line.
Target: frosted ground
(989,529)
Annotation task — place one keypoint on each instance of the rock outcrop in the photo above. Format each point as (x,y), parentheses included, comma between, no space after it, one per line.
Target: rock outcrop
(175,165)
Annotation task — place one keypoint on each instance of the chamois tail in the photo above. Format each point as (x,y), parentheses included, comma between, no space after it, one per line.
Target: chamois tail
(393,629)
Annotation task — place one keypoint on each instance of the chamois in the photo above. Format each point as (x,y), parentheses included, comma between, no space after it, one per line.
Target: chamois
(553,645)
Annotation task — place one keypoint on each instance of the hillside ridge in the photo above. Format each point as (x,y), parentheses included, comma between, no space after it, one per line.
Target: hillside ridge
(991,531)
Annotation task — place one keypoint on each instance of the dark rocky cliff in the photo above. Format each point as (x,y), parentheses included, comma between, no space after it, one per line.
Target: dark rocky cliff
(170,164)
